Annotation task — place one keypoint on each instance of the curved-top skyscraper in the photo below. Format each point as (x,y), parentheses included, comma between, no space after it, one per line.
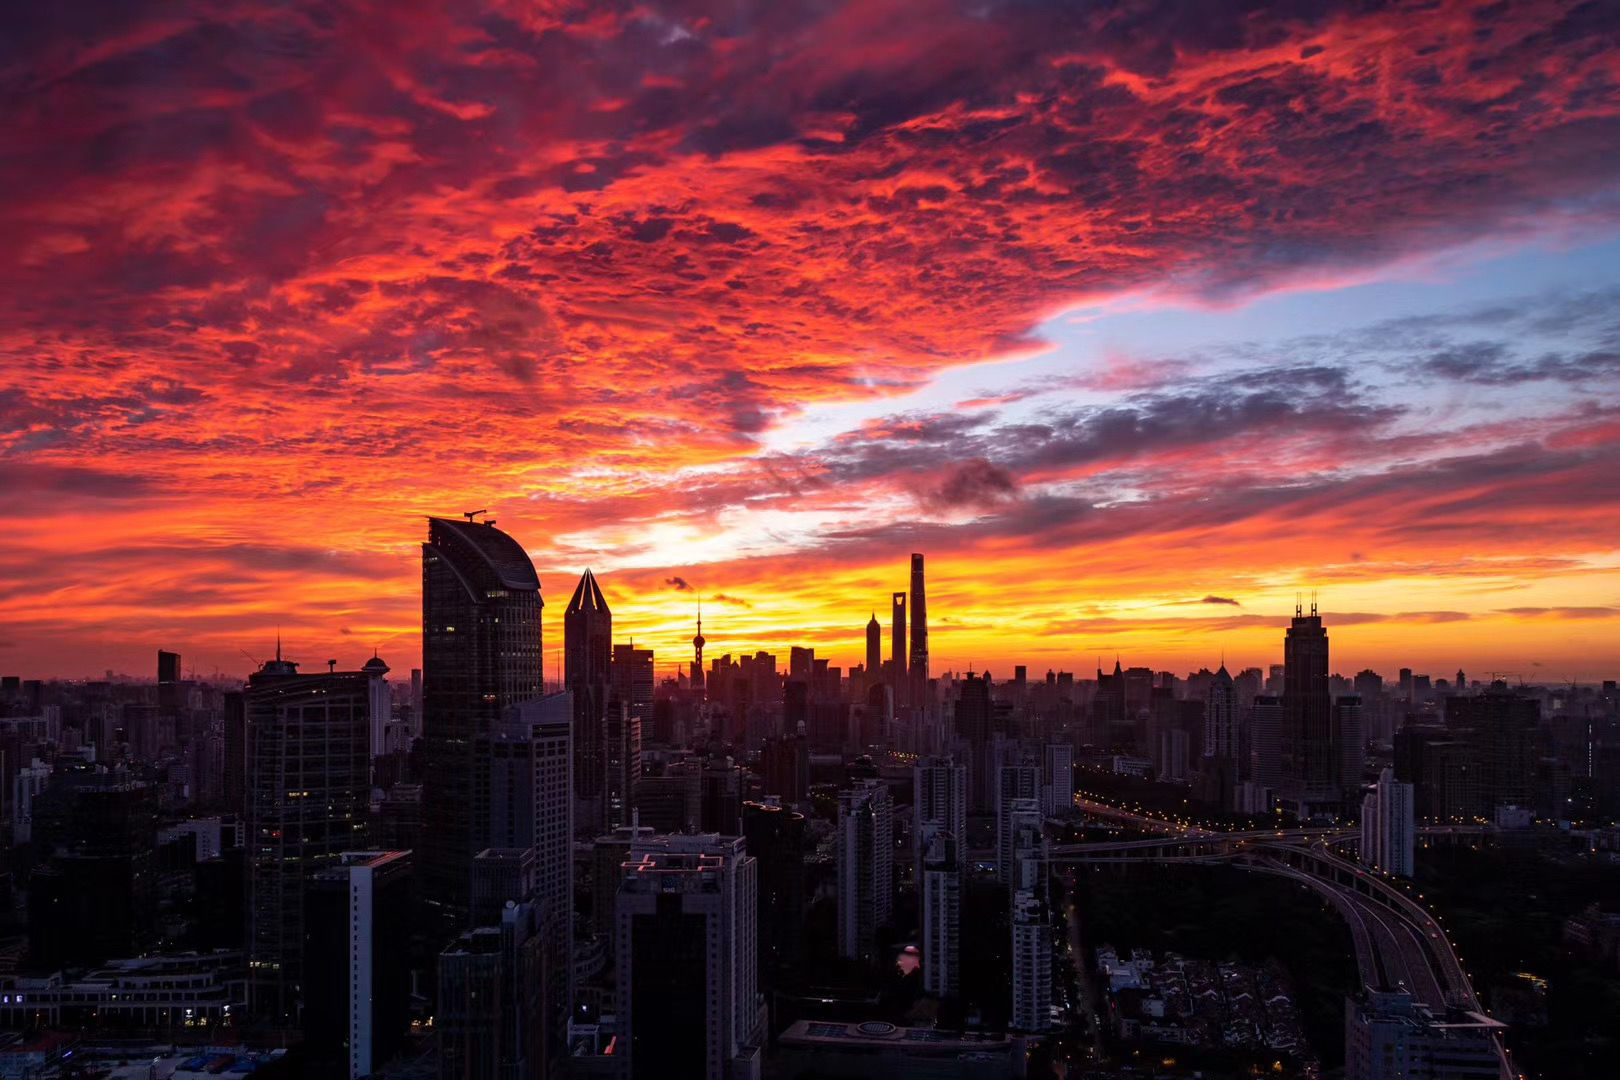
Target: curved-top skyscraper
(481,653)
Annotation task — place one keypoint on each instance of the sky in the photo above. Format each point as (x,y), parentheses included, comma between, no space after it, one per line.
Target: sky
(1139,318)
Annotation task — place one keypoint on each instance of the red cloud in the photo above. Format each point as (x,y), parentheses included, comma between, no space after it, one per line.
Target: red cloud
(279,270)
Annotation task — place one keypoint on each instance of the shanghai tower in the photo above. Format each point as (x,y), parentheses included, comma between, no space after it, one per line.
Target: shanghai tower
(481,654)
(918,669)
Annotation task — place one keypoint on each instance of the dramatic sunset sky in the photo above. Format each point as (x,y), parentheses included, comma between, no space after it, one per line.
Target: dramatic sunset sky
(1136,317)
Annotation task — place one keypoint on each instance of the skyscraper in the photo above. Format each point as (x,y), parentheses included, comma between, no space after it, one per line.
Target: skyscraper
(939,891)
(865,855)
(940,799)
(1388,829)
(775,837)
(481,654)
(1057,779)
(972,722)
(897,659)
(308,793)
(1031,920)
(1502,726)
(494,985)
(874,650)
(1016,784)
(587,672)
(1310,757)
(633,680)
(357,993)
(1221,717)
(688,963)
(524,799)
(917,673)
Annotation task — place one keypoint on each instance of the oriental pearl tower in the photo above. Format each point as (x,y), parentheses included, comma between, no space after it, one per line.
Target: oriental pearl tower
(697,652)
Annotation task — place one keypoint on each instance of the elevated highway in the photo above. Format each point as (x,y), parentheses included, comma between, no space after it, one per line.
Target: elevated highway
(1398,942)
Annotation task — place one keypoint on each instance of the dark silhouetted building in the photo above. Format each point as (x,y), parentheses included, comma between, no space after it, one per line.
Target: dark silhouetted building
(588,673)
(1502,726)
(688,968)
(864,847)
(481,654)
(775,837)
(309,787)
(917,673)
(1310,755)
(493,994)
(359,912)
(897,659)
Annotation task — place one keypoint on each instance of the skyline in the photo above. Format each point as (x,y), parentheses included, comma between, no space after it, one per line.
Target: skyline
(675,664)
(1137,321)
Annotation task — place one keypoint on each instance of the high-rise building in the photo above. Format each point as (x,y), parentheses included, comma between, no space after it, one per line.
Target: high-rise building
(1265,742)
(1031,921)
(1057,779)
(481,654)
(939,890)
(971,717)
(721,808)
(1350,738)
(1018,791)
(865,856)
(688,967)
(494,986)
(308,794)
(587,673)
(939,800)
(633,679)
(917,670)
(357,974)
(381,708)
(1024,841)
(897,658)
(1221,717)
(1310,756)
(874,650)
(1032,964)
(524,799)
(1388,828)
(775,837)
(621,749)
(1502,726)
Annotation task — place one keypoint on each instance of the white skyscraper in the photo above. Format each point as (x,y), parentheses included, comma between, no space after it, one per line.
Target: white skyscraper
(1388,830)
(940,889)
(688,960)
(865,867)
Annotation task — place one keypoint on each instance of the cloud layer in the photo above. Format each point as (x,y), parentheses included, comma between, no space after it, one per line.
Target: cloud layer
(281,278)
